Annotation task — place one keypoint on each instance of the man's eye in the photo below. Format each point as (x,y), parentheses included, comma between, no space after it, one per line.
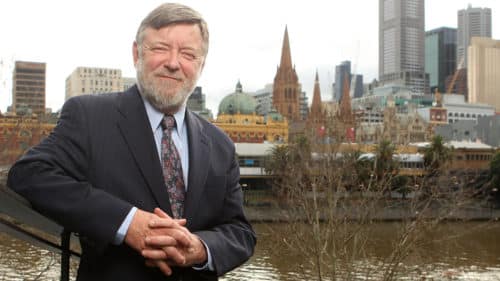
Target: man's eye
(159,49)
(189,56)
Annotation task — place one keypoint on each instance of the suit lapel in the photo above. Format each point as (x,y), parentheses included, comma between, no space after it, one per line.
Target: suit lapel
(199,159)
(136,130)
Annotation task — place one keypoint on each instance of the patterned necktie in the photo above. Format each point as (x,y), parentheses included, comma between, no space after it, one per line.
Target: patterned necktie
(172,168)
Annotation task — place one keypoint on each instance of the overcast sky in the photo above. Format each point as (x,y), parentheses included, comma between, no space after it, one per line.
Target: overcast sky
(245,39)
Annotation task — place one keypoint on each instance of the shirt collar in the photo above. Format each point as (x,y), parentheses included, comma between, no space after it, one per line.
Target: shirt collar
(156,116)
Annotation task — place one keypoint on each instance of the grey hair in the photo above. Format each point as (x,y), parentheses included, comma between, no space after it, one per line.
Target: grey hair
(171,14)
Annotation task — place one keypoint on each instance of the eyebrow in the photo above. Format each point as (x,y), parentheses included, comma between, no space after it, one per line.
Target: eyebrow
(169,45)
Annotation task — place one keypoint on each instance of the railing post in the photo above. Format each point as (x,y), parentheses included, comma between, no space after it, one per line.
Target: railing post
(65,254)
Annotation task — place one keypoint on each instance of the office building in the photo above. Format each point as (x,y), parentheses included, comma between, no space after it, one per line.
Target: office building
(93,80)
(28,87)
(440,56)
(357,88)
(472,22)
(128,82)
(264,99)
(483,71)
(342,79)
(401,44)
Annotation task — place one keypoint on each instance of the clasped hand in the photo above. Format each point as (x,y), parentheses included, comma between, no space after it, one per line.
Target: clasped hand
(164,242)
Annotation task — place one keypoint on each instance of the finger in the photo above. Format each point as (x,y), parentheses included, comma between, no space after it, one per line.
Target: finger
(174,256)
(154,254)
(159,212)
(159,236)
(181,221)
(160,241)
(165,222)
(167,253)
(164,267)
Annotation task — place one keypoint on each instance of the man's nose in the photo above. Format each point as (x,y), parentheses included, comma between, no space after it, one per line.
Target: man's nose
(171,61)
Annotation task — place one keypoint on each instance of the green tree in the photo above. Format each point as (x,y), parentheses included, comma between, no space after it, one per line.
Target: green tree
(495,170)
(385,166)
(436,156)
(494,176)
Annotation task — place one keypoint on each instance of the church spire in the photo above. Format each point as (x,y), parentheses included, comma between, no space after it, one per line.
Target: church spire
(316,119)
(286,55)
(345,103)
(286,88)
(316,102)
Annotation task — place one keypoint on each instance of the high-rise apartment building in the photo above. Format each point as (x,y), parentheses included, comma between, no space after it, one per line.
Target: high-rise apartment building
(342,79)
(440,56)
(472,22)
(28,87)
(93,80)
(483,71)
(401,44)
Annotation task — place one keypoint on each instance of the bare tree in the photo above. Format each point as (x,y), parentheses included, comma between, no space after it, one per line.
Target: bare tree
(334,197)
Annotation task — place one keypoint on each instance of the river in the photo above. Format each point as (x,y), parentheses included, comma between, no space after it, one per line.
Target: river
(456,251)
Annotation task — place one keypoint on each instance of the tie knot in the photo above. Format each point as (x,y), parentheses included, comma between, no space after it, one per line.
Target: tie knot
(168,122)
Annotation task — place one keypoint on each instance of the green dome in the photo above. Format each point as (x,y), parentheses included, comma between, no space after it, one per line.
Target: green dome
(238,102)
(275,115)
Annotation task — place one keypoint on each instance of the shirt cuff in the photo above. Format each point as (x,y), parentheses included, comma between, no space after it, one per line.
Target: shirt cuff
(209,264)
(122,231)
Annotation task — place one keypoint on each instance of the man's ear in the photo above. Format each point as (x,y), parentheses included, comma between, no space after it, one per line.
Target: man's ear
(135,53)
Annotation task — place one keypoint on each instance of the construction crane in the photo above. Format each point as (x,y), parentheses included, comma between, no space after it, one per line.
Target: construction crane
(455,76)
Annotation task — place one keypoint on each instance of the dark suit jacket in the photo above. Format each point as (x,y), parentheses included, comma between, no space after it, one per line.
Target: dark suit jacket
(101,160)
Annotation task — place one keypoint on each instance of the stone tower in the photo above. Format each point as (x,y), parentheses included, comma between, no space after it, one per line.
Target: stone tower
(286,87)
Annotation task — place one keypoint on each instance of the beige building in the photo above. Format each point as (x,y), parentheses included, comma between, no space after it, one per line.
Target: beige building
(483,71)
(28,87)
(93,80)
(128,82)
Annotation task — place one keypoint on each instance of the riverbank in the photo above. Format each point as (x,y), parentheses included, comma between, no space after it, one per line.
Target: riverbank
(475,211)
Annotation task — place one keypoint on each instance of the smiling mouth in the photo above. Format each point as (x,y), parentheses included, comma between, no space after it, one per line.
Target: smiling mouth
(170,77)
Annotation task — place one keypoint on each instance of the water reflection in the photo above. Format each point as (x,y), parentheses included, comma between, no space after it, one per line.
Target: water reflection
(22,261)
(458,251)
(454,251)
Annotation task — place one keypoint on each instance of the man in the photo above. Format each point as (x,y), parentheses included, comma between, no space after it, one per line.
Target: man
(150,187)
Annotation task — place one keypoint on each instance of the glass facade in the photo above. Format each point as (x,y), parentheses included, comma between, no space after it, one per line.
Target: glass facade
(440,56)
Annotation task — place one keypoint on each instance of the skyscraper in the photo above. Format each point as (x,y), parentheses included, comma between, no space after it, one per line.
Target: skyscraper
(471,22)
(401,44)
(483,71)
(342,76)
(356,90)
(440,56)
(28,87)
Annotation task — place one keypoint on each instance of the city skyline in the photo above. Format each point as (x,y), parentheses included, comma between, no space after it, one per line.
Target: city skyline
(245,43)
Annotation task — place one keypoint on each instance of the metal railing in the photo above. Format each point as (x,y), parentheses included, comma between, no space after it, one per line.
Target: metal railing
(20,220)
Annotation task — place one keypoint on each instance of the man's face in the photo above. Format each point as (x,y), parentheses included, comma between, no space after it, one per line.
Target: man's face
(168,63)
